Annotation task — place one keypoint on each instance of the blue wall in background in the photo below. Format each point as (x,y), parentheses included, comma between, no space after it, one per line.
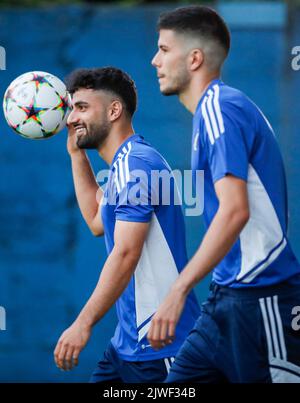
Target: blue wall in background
(49,262)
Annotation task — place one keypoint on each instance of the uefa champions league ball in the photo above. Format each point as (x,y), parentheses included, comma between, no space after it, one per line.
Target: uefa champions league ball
(36,105)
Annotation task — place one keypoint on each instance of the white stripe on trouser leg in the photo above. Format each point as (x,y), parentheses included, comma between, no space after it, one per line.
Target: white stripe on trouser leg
(281,370)
(167,364)
(273,327)
(267,328)
(280,328)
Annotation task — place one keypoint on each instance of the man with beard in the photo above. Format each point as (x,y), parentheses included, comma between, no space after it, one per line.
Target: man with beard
(245,331)
(145,239)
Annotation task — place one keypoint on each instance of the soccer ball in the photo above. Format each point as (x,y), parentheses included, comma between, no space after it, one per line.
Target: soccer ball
(36,105)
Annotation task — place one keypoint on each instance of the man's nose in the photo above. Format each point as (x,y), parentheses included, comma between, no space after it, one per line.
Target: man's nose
(154,61)
(71,118)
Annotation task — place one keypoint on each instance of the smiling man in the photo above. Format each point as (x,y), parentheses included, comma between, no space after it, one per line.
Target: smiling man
(244,333)
(145,241)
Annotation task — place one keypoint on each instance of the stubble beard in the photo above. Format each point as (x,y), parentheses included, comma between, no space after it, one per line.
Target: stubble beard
(179,83)
(95,136)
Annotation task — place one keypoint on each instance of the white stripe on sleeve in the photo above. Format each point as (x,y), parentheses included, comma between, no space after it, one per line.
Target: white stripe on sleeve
(217,108)
(212,115)
(207,122)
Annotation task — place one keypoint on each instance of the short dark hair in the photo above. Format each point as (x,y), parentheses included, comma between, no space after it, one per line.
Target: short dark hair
(109,79)
(199,21)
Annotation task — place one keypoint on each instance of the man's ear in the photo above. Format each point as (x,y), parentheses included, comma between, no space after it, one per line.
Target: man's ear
(196,59)
(115,110)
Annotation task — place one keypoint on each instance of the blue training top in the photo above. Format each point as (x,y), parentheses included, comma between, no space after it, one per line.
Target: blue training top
(132,194)
(232,136)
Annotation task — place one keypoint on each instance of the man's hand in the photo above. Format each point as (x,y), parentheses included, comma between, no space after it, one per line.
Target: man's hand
(163,323)
(72,140)
(88,192)
(70,344)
